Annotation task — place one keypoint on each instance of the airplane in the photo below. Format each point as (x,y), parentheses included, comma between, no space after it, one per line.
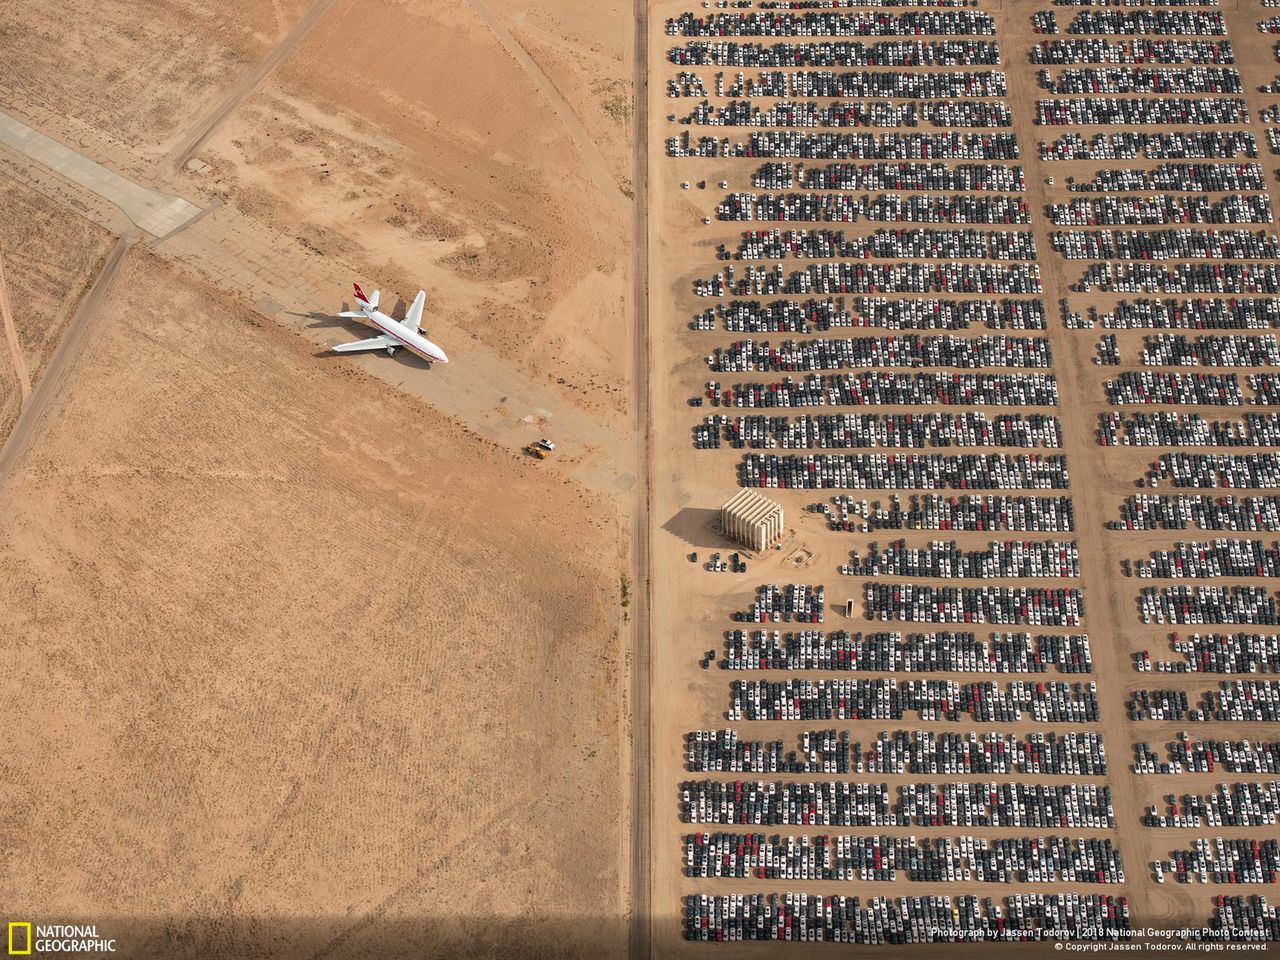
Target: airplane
(395,333)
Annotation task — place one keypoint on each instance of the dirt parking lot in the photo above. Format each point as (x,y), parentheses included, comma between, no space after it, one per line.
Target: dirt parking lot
(693,606)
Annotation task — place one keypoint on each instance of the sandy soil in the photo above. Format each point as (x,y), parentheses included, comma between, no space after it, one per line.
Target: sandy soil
(449,158)
(50,255)
(140,72)
(286,683)
(10,394)
(289,685)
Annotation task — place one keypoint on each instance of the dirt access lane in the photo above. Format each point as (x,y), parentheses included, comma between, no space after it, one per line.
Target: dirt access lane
(41,400)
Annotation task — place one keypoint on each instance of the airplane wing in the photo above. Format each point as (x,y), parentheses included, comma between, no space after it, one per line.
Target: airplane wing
(373,343)
(413,319)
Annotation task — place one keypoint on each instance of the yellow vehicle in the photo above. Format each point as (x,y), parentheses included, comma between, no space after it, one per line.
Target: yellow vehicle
(535,451)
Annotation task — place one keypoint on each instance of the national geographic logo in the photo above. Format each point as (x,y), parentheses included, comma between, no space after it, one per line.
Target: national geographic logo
(19,939)
(25,939)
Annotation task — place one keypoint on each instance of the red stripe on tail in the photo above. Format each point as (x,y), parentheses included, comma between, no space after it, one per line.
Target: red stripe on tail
(360,294)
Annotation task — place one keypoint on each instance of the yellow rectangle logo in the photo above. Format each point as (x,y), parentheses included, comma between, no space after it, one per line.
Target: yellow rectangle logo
(13,949)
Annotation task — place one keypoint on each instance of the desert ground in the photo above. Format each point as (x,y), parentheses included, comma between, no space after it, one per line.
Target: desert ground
(51,256)
(306,657)
(269,694)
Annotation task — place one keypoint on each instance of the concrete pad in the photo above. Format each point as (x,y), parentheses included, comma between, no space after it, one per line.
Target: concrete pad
(157,213)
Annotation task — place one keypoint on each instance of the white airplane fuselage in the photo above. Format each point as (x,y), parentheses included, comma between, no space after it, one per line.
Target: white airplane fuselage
(411,340)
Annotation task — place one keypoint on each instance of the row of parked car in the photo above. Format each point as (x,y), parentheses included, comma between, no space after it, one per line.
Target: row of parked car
(922,860)
(919,603)
(1243,804)
(881,698)
(1245,918)
(970,114)
(946,559)
(1240,471)
(894,652)
(1186,754)
(1169,429)
(929,243)
(798,602)
(1224,861)
(722,751)
(874,388)
(1256,701)
(904,471)
(835,53)
(1210,350)
(895,84)
(863,277)
(1161,23)
(900,751)
(1224,557)
(974,513)
(1204,604)
(899,430)
(817,207)
(1193,177)
(860,803)
(892,350)
(846,145)
(1220,653)
(939,752)
(1163,387)
(1141,110)
(891,175)
(915,313)
(1150,145)
(1147,277)
(1160,208)
(834,23)
(1180,80)
(930,919)
(1163,49)
(1201,512)
(1229,313)
(1175,243)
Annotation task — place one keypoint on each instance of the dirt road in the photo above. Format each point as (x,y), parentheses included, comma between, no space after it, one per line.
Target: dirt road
(244,87)
(11,336)
(641,676)
(40,401)
(583,140)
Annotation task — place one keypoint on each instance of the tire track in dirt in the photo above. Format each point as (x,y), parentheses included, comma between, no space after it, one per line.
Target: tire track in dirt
(11,335)
(578,134)
(245,87)
(397,897)
(641,940)
(40,402)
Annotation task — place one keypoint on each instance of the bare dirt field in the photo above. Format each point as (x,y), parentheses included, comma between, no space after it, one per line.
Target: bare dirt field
(289,681)
(308,667)
(10,395)
(454,159)
(50,256)
(131,74)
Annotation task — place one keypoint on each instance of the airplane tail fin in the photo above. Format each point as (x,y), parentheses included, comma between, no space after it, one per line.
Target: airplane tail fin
(370,302)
